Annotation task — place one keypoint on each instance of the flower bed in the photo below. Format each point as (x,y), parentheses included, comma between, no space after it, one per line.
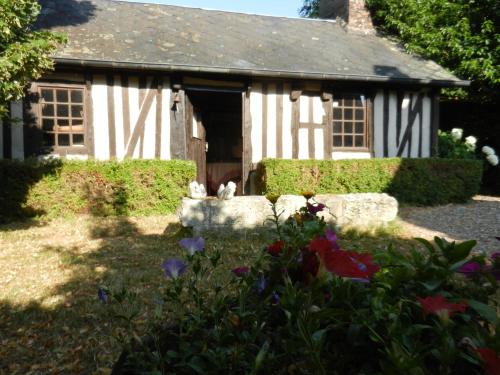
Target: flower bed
(307,306)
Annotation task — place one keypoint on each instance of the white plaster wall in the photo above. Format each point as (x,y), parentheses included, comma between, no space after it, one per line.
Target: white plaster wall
(287,122)
(256,117)
(100,105)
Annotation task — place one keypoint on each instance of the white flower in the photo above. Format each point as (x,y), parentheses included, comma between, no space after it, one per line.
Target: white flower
(456,134)
(492,159)
(471,140)
(488,150)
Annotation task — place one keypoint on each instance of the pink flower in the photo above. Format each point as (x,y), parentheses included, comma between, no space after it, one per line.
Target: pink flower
(314,209)
(241,271)
(440,306)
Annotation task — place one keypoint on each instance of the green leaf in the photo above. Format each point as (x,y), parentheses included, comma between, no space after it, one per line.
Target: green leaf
(261,356)
(486,311)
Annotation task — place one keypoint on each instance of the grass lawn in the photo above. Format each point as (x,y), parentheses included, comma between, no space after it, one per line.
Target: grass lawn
(50,318)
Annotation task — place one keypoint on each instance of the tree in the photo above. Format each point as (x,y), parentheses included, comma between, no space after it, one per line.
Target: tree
(24,53)
(461,35)
(310,9)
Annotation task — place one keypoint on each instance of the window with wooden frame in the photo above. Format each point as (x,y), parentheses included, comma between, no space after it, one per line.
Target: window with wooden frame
(350,125)
(62,116)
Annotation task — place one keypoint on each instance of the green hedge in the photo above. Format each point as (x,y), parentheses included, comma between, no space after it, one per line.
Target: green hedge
(55,188)
(415,181)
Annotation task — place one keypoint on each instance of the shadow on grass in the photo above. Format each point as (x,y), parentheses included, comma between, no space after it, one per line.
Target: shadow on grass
(68,330)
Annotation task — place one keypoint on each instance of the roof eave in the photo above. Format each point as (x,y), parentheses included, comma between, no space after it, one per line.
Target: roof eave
(265,73)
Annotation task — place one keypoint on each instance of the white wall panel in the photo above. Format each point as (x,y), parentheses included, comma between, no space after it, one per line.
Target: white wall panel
(100,115)
(256,116)
(271,121)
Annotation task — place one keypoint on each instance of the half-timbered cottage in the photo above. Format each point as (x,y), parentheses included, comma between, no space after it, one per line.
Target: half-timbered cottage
(224,89)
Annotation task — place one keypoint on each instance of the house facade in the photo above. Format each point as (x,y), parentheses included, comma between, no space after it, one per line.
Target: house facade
(223,89)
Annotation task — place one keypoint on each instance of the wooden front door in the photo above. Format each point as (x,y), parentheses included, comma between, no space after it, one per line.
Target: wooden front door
(196,142)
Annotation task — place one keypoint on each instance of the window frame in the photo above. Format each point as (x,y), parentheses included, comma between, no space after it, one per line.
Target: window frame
(367,121)
(70,149)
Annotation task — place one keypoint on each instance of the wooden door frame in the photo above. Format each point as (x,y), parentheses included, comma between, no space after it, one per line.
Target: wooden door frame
(246,157)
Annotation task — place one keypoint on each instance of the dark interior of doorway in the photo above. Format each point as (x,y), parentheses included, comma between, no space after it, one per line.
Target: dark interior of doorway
(221,116)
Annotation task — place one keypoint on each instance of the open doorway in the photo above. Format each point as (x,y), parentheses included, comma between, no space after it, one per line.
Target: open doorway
(216,142)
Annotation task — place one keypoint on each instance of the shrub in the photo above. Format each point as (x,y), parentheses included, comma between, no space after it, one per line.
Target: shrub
(416,181)
(306,306)
(54,188)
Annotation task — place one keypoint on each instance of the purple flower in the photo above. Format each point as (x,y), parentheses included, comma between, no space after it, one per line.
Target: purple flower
(331,236)
(495,256)
(241,271)
(275,298)
(470,268)
(261,283)
(173,267)
(103,296)
(314,209)
(193,245)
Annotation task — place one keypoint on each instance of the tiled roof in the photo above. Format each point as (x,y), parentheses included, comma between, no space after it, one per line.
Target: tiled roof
(126,34)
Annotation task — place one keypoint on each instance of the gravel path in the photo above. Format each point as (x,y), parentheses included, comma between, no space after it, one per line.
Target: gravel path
(477,220)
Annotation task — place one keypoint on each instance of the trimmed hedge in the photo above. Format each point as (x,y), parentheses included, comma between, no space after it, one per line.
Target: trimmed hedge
(416,181)
(58,188)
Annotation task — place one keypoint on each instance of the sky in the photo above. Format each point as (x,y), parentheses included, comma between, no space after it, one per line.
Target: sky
(286,8)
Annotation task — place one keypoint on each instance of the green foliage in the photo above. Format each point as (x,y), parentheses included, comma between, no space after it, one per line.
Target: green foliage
(55,188)
(24,53)
(310,9)
(415,181)
(453,147)
(297,310)
(462,36)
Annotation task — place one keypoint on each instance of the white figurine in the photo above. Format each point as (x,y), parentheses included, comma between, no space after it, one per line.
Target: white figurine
(220,191)
(196,191)
(229,191)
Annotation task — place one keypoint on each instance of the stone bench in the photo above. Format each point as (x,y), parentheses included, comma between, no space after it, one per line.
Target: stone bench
(250,212)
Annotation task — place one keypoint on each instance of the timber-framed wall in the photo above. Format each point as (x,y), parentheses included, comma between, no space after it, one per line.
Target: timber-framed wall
(131,114)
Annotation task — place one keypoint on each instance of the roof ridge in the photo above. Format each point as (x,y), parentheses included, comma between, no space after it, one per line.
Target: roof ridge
(298,18)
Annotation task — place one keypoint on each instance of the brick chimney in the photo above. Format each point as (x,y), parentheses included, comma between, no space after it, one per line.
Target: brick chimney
(352,12)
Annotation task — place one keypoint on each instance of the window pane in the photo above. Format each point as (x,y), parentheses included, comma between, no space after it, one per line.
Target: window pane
(337,127)
(359,141)
(337,141)
(48,139)
(337,113)
(63,139)
(47,95)
(63,122)
(62,96)
(348,141)
(359,101)
(48,109)
(347,114)
(347,127)
(360,128)
(48,124)
(76,96)
(76,111)
(359,114)
(62,110)
(78,139)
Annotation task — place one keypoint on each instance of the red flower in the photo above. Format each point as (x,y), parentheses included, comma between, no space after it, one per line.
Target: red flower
(491,361)
(439,306)
(275,248)
(350,264)
(320,245)
(310,263)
